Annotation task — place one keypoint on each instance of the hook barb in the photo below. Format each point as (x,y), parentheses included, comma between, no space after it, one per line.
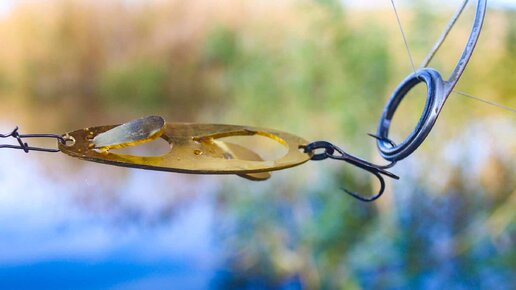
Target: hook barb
(372,197)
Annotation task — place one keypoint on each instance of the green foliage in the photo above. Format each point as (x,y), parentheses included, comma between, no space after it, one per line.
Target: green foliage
(139,83)
(332,71)
(221,46)
(504,70)
(333,7)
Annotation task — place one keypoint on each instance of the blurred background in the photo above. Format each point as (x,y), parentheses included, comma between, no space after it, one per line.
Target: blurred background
(321,69)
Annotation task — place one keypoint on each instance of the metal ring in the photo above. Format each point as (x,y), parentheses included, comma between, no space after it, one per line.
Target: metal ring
(434,102)
(327,146)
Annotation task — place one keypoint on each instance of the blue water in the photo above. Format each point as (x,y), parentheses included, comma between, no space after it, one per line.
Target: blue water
(111,273)
(67,224)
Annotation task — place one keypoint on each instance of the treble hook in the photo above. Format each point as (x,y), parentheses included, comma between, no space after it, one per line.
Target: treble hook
(25,146)
(330,151)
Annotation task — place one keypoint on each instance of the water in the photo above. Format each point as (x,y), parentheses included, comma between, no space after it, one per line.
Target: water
(67,223)
(63,225)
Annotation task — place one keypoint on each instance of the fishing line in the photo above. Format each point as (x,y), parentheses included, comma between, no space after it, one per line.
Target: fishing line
(485,101)
(436,47)
(404,38)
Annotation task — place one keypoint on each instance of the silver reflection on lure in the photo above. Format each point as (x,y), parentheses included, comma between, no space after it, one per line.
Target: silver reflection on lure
(134,132)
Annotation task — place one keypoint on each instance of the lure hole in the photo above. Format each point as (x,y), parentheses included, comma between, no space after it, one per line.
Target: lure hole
(69,141)
(156,147)
(408,113)
(267,148)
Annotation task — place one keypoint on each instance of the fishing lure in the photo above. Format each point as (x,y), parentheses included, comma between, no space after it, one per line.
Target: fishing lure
(199,148)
